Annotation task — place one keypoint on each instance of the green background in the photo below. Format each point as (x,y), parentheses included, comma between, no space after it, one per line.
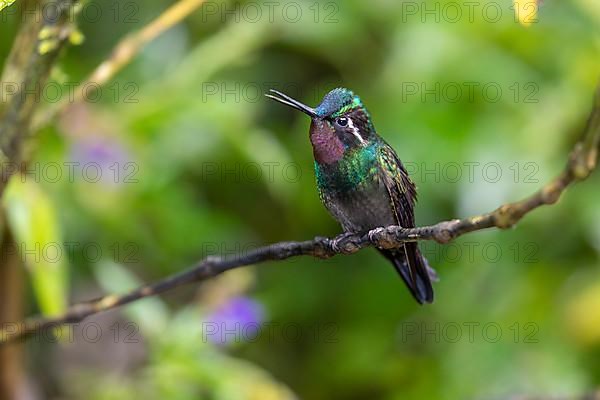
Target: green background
(482,109)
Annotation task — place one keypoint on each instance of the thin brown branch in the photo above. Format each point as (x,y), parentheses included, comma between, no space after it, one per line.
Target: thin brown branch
(122,55)
(581,163)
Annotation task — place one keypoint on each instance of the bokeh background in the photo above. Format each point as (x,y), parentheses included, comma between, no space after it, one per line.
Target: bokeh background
(194,161)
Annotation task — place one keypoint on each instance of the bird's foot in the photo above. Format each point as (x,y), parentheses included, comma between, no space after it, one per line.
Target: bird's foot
(373,233)
(343,244)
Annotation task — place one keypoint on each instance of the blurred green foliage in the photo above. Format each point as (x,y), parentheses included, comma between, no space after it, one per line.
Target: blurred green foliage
(194,161)
(32,219)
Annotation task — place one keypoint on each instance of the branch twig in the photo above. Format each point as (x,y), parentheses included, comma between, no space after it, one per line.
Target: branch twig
(581,163)
(121,55)
(28,66)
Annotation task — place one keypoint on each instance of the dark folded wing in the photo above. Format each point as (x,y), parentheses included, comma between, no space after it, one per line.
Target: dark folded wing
(403,195)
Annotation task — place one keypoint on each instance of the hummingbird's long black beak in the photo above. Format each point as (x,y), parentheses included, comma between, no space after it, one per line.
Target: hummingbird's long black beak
(288,101)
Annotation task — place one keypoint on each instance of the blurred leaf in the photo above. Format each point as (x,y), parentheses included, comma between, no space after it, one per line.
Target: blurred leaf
(6,3)
(33,220)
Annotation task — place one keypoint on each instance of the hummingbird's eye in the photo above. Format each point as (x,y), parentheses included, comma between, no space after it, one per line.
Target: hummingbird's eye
(341,121)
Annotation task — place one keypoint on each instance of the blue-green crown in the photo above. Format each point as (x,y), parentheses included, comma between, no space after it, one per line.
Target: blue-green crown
(337,102)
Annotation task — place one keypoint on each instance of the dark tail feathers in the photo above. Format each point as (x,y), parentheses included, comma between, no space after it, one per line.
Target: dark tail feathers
(410,259)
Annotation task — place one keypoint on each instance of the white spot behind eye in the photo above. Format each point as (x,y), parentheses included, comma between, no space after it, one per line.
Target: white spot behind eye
(355,131)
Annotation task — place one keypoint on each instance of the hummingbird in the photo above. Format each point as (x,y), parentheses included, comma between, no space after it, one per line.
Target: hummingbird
(361,180)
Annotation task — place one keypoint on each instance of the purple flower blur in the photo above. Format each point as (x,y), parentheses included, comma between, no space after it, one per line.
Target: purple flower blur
(236,320)
(102,160)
